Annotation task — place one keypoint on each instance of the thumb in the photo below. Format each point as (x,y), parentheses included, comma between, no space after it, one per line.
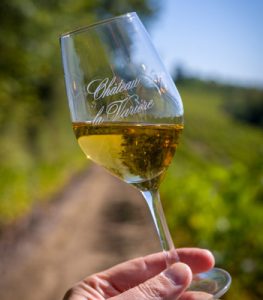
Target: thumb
(168,285)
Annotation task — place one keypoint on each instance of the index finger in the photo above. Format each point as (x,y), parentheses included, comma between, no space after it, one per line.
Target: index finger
(129,274)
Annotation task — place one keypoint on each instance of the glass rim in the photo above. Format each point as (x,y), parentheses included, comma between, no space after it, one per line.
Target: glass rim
(103,21)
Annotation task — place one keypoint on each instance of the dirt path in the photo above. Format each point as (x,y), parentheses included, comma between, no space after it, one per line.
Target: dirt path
(94,223)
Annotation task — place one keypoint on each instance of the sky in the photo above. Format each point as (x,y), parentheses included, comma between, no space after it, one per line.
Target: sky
(218,39)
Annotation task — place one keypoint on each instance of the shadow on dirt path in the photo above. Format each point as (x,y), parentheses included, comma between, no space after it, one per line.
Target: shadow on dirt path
(95,222)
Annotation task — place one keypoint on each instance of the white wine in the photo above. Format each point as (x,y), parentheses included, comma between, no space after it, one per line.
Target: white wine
(137,153)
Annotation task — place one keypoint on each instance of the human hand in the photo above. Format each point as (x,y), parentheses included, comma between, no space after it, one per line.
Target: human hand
(146,278)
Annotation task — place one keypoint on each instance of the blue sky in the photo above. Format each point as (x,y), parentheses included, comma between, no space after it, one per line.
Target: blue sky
(222,39)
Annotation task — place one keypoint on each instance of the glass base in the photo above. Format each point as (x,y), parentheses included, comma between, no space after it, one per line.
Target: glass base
(215,282)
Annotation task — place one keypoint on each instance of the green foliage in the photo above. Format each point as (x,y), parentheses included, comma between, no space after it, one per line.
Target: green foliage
(213,191)
(245,105)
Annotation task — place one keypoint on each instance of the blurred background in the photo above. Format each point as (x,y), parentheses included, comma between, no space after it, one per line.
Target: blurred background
(213,192)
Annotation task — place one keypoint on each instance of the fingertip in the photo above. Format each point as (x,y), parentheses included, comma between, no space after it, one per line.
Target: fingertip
(199,260)
(210,258)
(179,274)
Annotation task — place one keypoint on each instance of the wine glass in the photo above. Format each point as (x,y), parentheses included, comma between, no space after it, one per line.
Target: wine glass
(127,115)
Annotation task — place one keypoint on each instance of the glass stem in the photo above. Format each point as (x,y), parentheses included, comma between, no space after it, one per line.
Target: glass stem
(153,201)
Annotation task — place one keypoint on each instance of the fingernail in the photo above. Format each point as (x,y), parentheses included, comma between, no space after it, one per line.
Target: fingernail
(180,274)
